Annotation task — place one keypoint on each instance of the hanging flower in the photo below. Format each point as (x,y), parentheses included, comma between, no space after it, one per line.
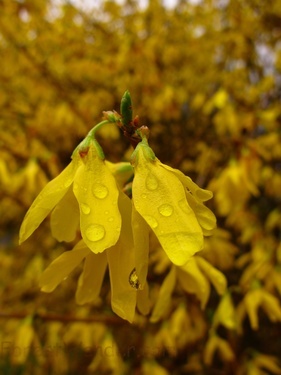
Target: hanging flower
(88,179)
(171,204)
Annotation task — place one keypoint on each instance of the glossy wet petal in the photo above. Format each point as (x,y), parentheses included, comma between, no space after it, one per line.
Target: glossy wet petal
(160,199)
(97,194)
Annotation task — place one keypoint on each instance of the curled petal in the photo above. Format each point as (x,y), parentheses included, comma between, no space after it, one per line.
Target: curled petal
(201,194)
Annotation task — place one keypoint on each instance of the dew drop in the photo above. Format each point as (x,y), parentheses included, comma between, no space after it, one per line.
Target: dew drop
(85,208)
(144,196)
(166,210)
(110,219)
(100,191)
(134,280)
(151,221)
(95,232)
(151,182)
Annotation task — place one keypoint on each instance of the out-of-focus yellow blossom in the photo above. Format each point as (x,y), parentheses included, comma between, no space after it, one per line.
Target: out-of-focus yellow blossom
(255,299)
(196,275)
(217,344)
(120,260)
(152,367)
(235,185)
(90,180)
(108,357)
(266,362)
(219,250)
(171,204)
(187,318)
(23,341)
(225,313)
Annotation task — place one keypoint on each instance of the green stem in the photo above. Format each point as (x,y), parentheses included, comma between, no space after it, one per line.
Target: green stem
(93,131)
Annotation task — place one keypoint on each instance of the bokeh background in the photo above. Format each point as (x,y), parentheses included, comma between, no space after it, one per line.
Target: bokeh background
(205,76)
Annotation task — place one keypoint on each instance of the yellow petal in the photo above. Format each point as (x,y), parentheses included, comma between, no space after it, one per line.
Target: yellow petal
(225,313)
(23,341)
(52,193)
(160,199)
(121,263)
(65,218)
(194,281)
(252,302)
(61,267)
(141,245)
(143,301)
(97,194)
(216,277)
(204,215)
(164,297)
(90,280)
(209,350)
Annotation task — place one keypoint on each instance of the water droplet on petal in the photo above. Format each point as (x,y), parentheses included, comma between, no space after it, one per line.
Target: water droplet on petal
(151,221)
(100,191)
(151,182)
(85,208)
(110,219)
(95,232)
(166,210)
(134,280)
(144,196)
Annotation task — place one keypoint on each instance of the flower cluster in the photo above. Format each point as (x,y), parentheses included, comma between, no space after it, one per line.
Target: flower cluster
(89,198)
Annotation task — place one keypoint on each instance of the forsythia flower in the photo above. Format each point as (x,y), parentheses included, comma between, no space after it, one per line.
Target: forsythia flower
(90,181)
(171,204)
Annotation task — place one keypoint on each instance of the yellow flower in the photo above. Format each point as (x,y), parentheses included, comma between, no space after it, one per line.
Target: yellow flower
(120,260)
(171,204)
(88,179)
